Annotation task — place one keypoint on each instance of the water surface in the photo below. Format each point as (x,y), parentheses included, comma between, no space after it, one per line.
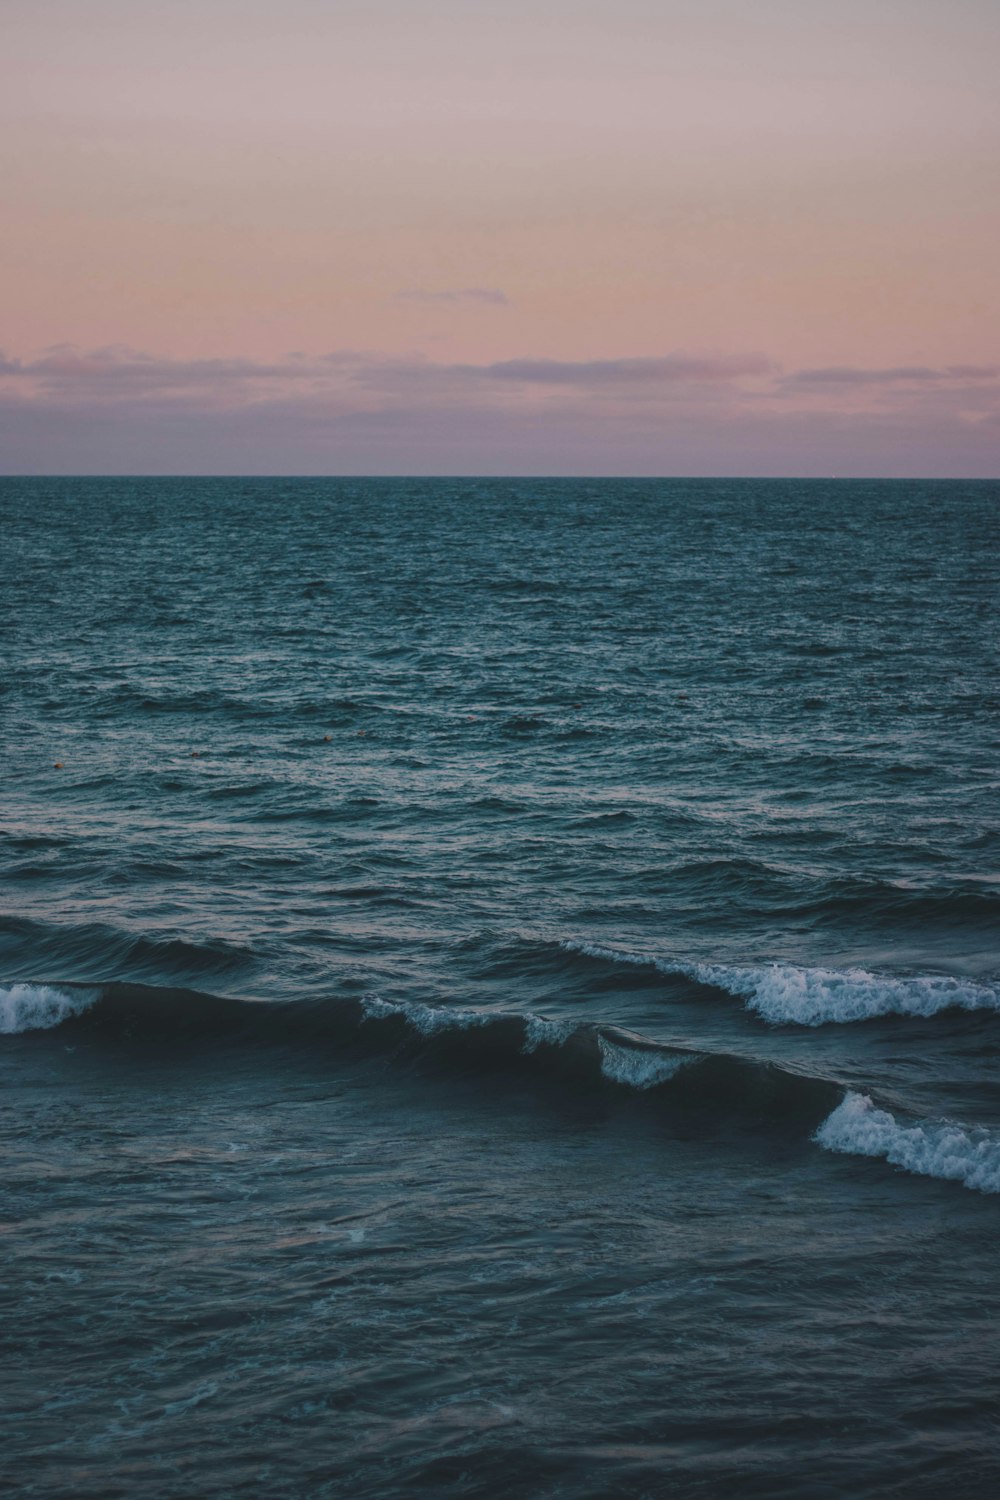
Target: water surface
(499,987)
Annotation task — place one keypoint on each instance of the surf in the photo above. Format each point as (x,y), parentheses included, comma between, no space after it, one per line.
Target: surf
(795,995)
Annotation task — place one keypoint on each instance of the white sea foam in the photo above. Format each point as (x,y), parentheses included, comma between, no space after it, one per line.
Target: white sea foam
(636,1067)
(541,1032)
(815,997)
(425,1019)
(430,1020)
(790,994)
(38,1007)
(613,955)
(859,1128)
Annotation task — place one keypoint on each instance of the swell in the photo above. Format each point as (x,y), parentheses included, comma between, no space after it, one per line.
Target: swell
(795,995)
(710,1089)
(466,1041)
(957,905)
(91,953)
(952,1152)
(762,889)
(40,1007)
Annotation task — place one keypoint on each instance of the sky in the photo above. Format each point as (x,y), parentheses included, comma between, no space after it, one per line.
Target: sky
(564,236)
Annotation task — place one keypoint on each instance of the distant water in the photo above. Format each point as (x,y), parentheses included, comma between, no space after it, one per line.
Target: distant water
(500,991)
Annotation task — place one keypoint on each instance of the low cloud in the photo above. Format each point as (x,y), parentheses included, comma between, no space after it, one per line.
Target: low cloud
(131,375)
(118,409)
(902,375)
(608,372)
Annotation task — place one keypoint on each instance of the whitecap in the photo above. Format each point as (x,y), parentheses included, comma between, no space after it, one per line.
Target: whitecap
(637,1068)
(39,1007)
(791,994)
(613,955)
(541,1032)
(787,993)
(858,1127)
(425,1019)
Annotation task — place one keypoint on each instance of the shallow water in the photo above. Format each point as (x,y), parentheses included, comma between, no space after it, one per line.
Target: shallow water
(499,996)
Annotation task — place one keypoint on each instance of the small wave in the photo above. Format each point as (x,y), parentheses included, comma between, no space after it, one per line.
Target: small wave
(93,953)
(616,955)
(638,1067)
(816,901)
(426,1020)
(858,1127)
(39,1007)
(465,1042)
(618,819)
(960,904)
(711,1085)
(496,803)
(789,994)
(522,724)
(539,1031)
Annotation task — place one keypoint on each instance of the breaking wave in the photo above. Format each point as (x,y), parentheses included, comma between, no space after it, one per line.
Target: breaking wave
(638,1068)
(858,1127)
(787,994)
(463,1041)
(708,1085)
(39,1007)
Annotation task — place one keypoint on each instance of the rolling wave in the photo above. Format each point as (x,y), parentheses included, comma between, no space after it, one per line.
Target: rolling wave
(461,1039)
(792,995)
(712,1086)
(786,994)
(94,952)
(858,1127)
(39,1007)
(639,1068)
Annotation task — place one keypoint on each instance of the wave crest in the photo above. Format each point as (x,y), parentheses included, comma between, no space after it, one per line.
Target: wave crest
(790,994)
(39,1007)
(638,1067)
(787,994)
(858,1127)
(714,1086)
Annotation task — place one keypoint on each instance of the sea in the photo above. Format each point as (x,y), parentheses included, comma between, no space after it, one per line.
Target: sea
(499,989)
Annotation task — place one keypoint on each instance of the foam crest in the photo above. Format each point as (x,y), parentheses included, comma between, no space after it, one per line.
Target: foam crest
(613,955)
(39,1007)
(427,1020)
(858,1127)
(789,994)
(541,1032)
(785,993)
(637,1068)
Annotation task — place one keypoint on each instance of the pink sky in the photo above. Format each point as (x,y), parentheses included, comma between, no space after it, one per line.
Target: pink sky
(654,236)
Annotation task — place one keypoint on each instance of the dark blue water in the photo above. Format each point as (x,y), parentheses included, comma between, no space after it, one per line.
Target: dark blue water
(500,988)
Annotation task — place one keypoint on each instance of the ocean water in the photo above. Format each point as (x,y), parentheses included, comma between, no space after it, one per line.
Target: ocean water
(499,989)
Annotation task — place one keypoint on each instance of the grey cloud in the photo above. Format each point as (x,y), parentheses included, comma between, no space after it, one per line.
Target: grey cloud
(602,372)
(131,375)
(302,434)
(351,411)
(974,372)
(850,375)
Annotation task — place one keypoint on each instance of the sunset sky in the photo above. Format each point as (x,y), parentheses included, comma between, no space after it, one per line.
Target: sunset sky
(565,236)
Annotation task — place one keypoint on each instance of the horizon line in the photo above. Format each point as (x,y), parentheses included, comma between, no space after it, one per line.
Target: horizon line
(614,478)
